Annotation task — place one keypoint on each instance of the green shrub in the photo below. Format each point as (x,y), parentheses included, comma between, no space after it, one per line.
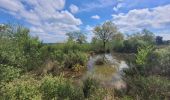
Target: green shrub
(25,88)
(161,61)
(143,55)
(100,61)
(58,55)
(148,88)
(8,73)
(131,45)
(118,45)
(101,94)
(73,58)
(90,86)
(19,49)
(10,53)
(59,88)
(78,68)
(71,46)
(126,98)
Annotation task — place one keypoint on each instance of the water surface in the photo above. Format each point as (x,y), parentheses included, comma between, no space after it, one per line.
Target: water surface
(109,74)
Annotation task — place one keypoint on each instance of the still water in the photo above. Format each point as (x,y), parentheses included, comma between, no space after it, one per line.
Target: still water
(109,74)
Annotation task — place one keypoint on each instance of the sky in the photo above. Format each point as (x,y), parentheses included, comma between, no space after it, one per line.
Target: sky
(50,20)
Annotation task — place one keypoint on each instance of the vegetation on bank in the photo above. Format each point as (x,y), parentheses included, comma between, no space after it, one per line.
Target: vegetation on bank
(30,69)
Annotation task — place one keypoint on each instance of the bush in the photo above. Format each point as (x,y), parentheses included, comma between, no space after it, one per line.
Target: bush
(10,53)
(118,45)
(148,88)
(25,88)
(100,61)
(8,73)
(131,45)
(161,61)
(143,55)
(73,58)
(90,86)
(19,49)
(78,68)
(59,88)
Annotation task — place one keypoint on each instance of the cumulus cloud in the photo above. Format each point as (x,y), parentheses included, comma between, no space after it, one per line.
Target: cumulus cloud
(74,9)
(137,19)
(97,4)
(89,31)
(47,18)
(117,7)
(95,17)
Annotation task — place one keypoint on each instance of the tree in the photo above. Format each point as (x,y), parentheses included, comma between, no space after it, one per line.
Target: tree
(148,36)
(77,36)
(105,32)
(119,36)
(159,40)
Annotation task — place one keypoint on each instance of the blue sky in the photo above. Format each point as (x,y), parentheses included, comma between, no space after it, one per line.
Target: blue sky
(51,19)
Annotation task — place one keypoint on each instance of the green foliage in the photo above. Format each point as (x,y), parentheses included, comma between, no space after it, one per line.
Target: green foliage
(73,58)
(161,61)
(59,88)
(8,73)
(19,49)
(133,41)
(126,98)
(142,55)
(77,36)
(10,53)
(148,88)
(90,87)
(141,77)
(131,45)
(97,46)
(25,88)
(105,33)
(148,36)
(78,68)
(118,45)
(100,61)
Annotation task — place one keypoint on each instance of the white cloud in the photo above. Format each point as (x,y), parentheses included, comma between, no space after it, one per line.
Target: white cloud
(89,31)
(89,28)
(47,18)
(137,19)
(165,36)
(97,4)
(74,9)
(118,6)
(95,17)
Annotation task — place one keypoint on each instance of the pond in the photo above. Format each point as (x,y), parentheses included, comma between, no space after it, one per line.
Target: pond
(108,74)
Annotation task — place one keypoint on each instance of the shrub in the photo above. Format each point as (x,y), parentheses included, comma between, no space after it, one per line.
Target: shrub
(90,86)
(58,55)
(101,94)
(25,88)
(59,88)
(19,49)
(78,68)
(8,73)
(100,61)
(10,53)
(73,58)
(143,55)
(118,45)
(71,46)
(161,61)
(126,98)
(148,88)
